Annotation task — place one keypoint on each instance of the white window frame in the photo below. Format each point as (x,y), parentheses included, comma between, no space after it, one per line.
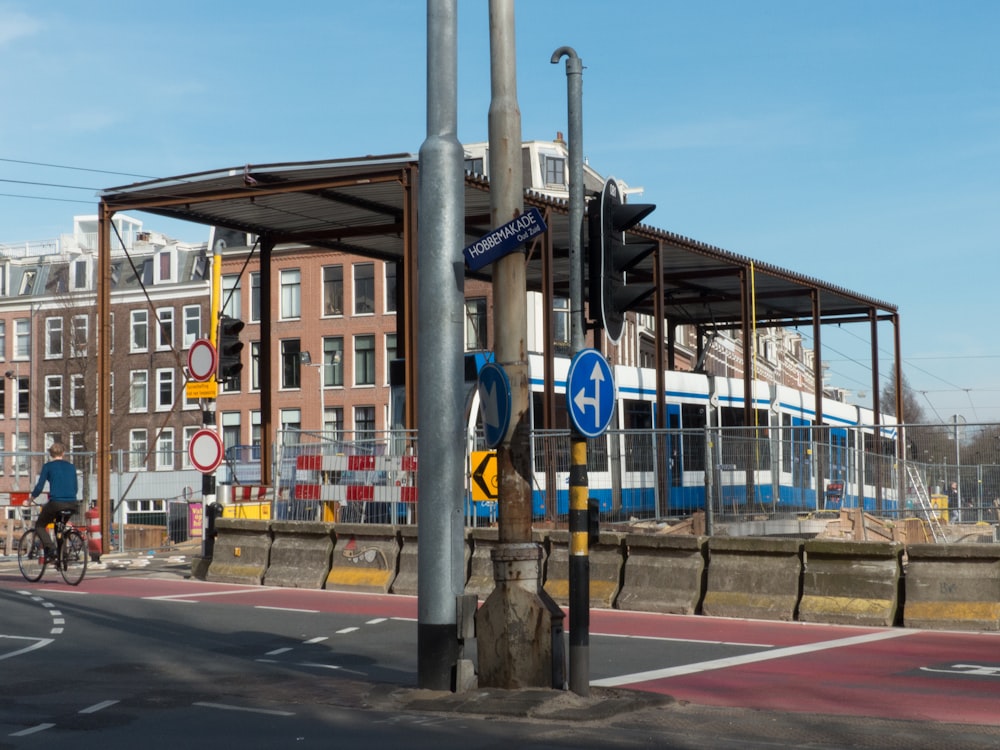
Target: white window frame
(165,450)
(192,324)
(291,294)
(54,338)
(165,384)
(138,449)
(134,377)
(140,322)
(164,329)
(77,385)
(53,387)
(79,335)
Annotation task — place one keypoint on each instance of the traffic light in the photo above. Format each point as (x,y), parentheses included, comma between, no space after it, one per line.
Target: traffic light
(230,348)
(611,295)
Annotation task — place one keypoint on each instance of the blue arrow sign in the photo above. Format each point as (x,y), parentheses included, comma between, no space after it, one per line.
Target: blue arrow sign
(504,240)
(494,398)
(590,393)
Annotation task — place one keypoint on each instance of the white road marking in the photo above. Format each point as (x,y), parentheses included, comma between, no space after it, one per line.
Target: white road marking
(97,707)
(289,609)
(278,651)
(226,707)
(39,643)
(318,639)
(376,621)
(31,730)
(684,640)
(345,631)
(736,661)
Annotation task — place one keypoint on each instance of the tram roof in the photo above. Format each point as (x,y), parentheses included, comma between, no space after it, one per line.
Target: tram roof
(358,206)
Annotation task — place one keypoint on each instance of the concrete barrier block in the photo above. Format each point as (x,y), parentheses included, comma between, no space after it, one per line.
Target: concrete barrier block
(300,554)
(406,580)
(664,574)
(851,583)
(483,541)
(365,558)
(606,559)
(952,587)
(757,578)
(241,552)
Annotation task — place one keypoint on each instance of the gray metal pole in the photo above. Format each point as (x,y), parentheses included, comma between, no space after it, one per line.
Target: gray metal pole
(440,404)
(579,559)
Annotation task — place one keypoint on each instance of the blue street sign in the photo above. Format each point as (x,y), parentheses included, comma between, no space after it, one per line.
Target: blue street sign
(504,240)
(494,398)
(590,393)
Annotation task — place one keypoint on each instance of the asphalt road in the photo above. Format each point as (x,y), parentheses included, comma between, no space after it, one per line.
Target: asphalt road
(140,656)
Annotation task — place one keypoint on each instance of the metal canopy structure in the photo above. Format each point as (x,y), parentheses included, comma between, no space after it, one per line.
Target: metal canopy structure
(368,206)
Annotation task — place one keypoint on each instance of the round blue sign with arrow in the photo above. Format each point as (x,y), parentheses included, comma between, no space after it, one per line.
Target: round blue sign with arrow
(590,393)
(494,399)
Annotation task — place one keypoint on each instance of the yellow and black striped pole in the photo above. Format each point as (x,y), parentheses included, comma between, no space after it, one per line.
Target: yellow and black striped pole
(579,568)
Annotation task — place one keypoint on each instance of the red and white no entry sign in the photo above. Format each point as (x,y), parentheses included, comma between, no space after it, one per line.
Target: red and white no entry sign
(202,360)
(205,451)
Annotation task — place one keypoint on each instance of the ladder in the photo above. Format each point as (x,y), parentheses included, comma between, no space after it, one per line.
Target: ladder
(924,502)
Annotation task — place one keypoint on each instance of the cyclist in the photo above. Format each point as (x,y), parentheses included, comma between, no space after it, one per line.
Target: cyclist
(61,476)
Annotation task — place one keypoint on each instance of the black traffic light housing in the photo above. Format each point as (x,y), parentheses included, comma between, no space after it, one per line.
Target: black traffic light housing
(230,349)
(611,257)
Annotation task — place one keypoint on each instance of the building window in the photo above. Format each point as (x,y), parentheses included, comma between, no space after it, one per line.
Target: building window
(22,338)
(166,266)
(185,458)
(53,338)
(53,395)
(333,361)
(256,432)
(232,303)
(333,290)
(291,419)
(140,331)
(364,288)
(139,391)
(390,287)
(192,324)
(165,317)
(80,275)
(475,324)
(255,365)
(230,429)
(291,294)
(3,339)
(364,423)
(80,335)
(475,166)
(28,282)
(555,170)
(137,448)
(255,296)
(364,360)
(77,395)
(23,396)
(390,353)
(165,449)
(334,422)
(164,389)
(291,364)
(560,320)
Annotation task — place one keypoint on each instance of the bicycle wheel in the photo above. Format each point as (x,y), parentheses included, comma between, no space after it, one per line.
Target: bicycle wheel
(73,557)
(30,556)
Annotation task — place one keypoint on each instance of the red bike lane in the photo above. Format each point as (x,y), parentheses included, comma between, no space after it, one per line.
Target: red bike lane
(822,669)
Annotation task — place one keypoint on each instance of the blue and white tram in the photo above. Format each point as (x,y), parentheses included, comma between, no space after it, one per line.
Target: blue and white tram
(780,463)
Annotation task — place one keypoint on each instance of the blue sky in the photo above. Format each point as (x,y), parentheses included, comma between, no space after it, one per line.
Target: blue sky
(854,142)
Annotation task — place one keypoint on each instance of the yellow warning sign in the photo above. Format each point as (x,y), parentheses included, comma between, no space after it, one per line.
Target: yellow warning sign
(483,467)
(205,389)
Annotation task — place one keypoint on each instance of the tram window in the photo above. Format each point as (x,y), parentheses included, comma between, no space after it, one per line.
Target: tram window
(693,437)
(638,420)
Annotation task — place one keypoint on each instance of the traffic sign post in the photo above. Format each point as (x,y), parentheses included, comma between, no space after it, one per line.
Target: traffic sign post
(202,360)
(494,396)
(590,393)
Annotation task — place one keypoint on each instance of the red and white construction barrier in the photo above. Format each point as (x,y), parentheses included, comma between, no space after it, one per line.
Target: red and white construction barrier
(366,478)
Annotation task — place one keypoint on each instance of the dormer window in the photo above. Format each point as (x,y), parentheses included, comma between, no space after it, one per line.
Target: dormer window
(28,282)
(165,267)
(79,275)
(555,170)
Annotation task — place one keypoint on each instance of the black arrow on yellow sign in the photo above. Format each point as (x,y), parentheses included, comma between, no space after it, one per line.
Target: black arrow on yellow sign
(484,475)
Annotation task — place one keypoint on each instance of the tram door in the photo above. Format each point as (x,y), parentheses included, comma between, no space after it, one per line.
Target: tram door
(837,467)
(802,462)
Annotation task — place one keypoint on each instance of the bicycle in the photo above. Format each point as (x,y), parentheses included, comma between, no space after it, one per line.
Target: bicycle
(71,552)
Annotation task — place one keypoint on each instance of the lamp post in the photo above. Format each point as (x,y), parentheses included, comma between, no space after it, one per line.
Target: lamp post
(306,359)
(958,419)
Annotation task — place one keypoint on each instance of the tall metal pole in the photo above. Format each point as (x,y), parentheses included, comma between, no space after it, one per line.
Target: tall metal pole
(519,627)
(440,403)
(579,557)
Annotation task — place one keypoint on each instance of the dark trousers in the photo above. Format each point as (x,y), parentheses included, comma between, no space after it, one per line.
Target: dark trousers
(47,515)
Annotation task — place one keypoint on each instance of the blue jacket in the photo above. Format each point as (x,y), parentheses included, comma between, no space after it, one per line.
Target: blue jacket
(61,476)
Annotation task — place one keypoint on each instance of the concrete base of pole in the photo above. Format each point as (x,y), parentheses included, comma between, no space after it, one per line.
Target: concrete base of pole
(519,628)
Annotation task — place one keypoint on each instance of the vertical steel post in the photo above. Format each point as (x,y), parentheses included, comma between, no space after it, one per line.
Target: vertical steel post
(579,545)
(440,403)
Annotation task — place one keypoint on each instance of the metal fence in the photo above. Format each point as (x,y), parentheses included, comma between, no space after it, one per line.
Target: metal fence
(730,473)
